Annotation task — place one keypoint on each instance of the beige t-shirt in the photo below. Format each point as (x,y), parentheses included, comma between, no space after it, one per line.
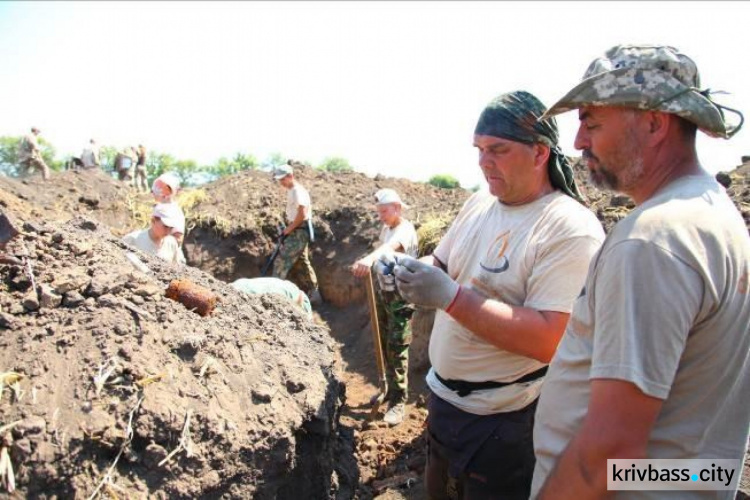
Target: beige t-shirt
(534,255)
(296,197)
(666,307)
(403,234)
(28,148)
(169,250)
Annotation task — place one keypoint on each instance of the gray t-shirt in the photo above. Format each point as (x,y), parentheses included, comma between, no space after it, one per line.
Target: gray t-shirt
(666,307)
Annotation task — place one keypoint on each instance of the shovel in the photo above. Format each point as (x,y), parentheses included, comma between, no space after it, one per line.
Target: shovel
(269,262)
(382,383)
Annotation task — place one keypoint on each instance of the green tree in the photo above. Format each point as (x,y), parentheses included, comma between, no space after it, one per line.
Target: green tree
(107,157)
(9,164)
(185,170)
(158,163)
(245,162)
(444,181)
(240,162)
(49,154)
(9,155)
(274,160)
(335,164)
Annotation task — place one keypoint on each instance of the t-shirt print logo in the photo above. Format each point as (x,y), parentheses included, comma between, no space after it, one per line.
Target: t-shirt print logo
(495,260)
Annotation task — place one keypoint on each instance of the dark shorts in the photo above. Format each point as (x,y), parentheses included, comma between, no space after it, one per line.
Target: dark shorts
(478,456)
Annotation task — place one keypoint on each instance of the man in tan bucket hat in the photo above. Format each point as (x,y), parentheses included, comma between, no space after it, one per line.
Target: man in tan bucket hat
(655,360)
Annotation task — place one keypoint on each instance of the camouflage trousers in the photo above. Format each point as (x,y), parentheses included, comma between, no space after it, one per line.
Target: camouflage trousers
(294,254)
(394,317)
(139,179)
(32,164)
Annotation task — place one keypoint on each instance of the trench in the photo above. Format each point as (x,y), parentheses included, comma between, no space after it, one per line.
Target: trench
(336,449)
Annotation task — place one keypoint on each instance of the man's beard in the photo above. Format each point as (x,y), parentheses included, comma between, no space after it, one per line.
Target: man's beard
(604,178)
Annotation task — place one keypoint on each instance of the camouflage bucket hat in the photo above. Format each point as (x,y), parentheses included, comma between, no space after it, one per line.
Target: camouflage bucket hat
(649,77)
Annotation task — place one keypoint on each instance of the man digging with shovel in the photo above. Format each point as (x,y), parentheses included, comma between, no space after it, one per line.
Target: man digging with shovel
(393,313)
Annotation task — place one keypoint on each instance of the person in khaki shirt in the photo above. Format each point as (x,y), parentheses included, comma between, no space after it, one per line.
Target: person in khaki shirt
(30,156)
(655,361)
(297,234)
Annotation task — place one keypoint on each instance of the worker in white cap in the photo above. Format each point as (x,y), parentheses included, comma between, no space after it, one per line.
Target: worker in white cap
(394,314)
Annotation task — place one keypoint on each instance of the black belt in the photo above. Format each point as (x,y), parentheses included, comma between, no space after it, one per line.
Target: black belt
(464,388)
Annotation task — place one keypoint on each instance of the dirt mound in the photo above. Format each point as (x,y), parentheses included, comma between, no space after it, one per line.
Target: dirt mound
(244,211)
(231,232)
(109,386)
(90,192)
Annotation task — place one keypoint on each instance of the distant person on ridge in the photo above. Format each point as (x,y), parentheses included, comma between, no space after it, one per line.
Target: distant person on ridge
(297,235)
(394,314)
(90,155)
(504,279)
(124,161)
(140,181)
(30,156)
(157,240)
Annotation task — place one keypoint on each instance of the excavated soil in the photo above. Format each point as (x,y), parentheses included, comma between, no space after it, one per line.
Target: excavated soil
(276,406)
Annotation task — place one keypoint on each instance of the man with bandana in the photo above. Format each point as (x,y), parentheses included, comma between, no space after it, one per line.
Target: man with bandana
(655,361)
(503,279)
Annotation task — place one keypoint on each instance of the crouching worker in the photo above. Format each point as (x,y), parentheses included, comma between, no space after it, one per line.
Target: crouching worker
(157,240)
(276,286)
(165,189)
(397,235)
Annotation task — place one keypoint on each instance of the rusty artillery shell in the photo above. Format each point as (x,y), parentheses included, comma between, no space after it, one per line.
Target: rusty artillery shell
(194,297)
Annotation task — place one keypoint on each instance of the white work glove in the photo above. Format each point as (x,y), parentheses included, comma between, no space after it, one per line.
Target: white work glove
(424,284)
(384,270)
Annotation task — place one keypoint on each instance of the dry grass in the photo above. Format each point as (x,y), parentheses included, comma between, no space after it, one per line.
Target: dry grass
(12,380)
(430,232)
(140,212)
(150,379)
(190,198)
(106,370)
(185,443)
(107,479)
(222,226)
(7,477)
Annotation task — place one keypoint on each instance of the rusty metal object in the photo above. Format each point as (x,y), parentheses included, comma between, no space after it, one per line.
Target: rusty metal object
(194,297)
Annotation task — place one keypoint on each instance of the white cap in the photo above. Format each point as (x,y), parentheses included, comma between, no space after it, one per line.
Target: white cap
(170,215)
(388,196)
(282,171)
(170,180)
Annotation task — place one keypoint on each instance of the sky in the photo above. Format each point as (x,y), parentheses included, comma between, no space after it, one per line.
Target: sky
(393,87)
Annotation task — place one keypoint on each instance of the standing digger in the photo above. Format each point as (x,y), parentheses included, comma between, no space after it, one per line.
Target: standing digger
(297,235)
(393,313)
